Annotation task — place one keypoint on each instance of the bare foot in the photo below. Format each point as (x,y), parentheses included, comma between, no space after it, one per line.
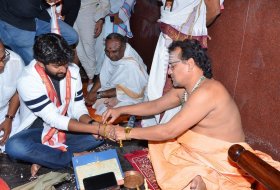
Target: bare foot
(197,184)
(81,153)
(34,169)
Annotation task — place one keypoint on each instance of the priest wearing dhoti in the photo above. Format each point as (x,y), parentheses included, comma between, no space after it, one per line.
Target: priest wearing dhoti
(191,150)
(123,77)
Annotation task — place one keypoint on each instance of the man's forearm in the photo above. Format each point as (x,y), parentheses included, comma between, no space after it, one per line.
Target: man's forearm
(76,126)
(96,86)
(141,109)
(154,133)
(13,105)
(108,93)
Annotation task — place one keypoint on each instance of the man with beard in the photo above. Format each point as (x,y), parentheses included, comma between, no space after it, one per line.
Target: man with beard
(52,105)
(191,150)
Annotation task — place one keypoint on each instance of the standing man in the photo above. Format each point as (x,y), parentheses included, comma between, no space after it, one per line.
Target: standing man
(89,26)
(21,21)
(123,77)
(11,66)
(191,150)
(52,109)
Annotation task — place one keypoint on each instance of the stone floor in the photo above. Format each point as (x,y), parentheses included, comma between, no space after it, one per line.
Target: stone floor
(18,173)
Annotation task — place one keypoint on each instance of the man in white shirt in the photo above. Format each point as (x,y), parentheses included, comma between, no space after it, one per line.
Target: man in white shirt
(11,66)
(52,108)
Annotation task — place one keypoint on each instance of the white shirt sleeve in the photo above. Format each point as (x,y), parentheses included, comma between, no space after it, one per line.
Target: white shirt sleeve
(34,94)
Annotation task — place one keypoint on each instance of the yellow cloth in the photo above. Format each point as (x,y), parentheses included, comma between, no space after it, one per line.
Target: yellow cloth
(178,161)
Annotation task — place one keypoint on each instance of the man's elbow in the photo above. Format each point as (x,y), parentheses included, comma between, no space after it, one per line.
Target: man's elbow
(168,134)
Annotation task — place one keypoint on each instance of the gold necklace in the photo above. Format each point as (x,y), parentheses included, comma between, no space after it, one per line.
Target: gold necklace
(197,84)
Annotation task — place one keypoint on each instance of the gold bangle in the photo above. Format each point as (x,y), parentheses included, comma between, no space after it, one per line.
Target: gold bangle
(105,134)
(127,131)
(98,132)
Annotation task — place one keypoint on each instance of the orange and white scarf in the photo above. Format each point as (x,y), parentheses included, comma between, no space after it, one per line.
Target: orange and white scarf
(50,135)
(55,12)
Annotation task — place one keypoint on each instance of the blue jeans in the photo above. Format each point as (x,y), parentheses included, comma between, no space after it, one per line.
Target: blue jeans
(26,146)
(22,41)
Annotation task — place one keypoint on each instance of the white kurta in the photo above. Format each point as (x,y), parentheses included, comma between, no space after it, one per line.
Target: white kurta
(8,81)
(130,73)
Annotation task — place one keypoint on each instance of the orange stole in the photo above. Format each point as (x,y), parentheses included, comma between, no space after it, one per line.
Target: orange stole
(54,98)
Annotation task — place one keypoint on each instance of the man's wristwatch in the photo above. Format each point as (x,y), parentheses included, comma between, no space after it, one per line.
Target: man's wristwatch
(127,130)
(103,20)
(11,117)
(99,95)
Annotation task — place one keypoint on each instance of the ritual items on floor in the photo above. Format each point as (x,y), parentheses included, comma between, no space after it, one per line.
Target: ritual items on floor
(97,163)
(140,162)
(133,179)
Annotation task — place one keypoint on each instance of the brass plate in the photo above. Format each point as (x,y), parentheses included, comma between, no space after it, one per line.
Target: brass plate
(133,179)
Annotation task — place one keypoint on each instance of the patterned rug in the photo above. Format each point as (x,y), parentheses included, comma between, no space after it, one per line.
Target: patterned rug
(140,162)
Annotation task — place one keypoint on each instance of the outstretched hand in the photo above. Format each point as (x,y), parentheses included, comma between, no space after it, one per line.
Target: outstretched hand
(120,133)
(112,114)
(108,131)
(115,132)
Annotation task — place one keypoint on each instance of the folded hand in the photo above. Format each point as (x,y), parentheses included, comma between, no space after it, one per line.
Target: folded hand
(5,127)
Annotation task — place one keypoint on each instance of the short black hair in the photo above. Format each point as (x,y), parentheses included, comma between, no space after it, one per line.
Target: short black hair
(52,48)
(117,36)
(191,48)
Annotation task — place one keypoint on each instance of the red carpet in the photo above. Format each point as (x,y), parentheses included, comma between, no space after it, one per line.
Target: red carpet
(141,163)
(3,185)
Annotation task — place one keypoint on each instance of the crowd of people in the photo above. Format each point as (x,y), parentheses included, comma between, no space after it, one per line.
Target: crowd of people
(43,116)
